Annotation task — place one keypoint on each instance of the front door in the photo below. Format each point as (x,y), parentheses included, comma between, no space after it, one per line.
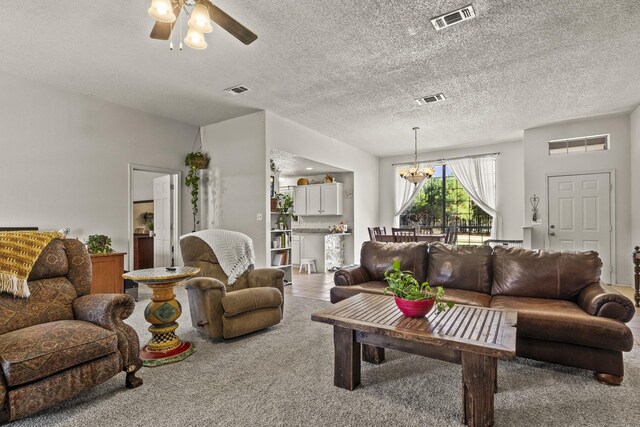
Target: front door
(162,221)
(580,216)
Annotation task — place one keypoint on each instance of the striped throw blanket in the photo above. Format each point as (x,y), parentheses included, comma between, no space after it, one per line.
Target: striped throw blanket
(19,251)
(234,250)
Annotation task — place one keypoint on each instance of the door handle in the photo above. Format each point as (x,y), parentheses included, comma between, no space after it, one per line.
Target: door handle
(552,234)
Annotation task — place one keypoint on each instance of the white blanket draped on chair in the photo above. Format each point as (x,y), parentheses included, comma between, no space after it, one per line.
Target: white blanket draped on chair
(234,250)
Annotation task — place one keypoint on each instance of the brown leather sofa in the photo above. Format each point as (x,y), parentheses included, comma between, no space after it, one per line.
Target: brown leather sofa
(565,314)
(254,302)
(61,341)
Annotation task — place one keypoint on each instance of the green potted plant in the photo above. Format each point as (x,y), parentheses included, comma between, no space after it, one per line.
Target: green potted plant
(195,161)
(285,202)
(414,299)
(99,244)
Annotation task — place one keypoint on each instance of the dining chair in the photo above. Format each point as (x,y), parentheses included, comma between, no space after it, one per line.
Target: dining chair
(424,230)
(451,236)
(374,232)
(404,235)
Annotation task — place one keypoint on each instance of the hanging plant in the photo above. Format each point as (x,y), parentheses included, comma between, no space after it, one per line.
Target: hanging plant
(195,161)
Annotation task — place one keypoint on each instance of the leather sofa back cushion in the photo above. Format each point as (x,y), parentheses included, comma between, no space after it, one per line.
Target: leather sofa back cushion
(460,267)
(543,274)
(378,257)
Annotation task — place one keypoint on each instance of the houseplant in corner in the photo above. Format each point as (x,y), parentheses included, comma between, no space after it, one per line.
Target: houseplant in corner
(413,298)
(195,161)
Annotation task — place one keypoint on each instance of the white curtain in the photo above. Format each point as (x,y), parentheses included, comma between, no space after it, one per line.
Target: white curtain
(477,176)
(406,192)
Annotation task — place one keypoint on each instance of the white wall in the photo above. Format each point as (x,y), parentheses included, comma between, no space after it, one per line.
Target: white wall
(235,189)
(64,158)
(290,137)
(509,185)
(635,177)
(539,165)
(143,185)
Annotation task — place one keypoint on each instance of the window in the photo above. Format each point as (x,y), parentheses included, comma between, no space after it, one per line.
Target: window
(444,203)
(579,145)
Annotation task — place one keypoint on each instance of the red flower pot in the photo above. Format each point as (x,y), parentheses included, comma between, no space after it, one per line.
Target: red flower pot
(411,308)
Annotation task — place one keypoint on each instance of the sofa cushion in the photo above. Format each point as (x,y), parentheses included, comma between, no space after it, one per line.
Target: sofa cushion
(565,321)
(461,296)
(245,300)
(50,300)
(377,257)
(42,350)
(543,274)
(460,267)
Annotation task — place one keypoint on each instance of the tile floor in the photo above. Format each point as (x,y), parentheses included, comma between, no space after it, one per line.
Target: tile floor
(317,286)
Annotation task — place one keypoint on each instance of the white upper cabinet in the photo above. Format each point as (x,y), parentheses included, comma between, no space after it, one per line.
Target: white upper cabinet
(331,199)
(321,199)
(300,200)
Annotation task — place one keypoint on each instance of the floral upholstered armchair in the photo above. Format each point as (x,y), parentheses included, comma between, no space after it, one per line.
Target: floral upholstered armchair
(61,341)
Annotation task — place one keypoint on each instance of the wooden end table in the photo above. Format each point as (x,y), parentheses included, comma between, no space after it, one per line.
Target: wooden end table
(474,337)
(162,312)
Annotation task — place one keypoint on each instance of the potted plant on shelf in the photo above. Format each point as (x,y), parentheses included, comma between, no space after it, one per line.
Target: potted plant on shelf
(99,244)
(195,161)
(413,298)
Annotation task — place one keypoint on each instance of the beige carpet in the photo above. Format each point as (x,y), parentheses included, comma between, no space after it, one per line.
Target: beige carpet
(284,377)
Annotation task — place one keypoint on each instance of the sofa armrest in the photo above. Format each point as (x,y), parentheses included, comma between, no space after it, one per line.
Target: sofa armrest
(351,276)
(205,304)
(109,311)
(603,301)
(205,284)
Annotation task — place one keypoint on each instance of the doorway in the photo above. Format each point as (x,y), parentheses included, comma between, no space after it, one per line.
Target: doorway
(580,217)
(154,216)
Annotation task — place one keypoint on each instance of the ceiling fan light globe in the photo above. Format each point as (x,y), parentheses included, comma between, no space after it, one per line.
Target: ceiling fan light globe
(162,11)
(200,20)
(195,39)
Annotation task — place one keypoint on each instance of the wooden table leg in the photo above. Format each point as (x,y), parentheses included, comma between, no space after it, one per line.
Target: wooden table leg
(372,354)
(347,358)
(478,384)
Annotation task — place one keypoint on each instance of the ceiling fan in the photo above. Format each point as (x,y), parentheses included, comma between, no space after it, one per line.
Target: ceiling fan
(201,13)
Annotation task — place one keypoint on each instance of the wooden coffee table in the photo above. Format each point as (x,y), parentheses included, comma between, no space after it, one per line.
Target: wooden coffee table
(474,337)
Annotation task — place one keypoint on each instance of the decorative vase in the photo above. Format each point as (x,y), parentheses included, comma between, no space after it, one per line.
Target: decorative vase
(303,181)
(413,308)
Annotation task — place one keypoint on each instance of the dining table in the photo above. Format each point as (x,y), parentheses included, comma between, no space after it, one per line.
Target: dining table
(388,238)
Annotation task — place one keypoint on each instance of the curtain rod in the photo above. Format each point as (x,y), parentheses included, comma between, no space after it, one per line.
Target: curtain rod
(473,156)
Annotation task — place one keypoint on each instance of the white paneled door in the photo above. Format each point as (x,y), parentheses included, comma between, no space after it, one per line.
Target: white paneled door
(580,215)
(162,221)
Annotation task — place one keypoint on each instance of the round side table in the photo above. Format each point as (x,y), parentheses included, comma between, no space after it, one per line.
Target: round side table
(162,312)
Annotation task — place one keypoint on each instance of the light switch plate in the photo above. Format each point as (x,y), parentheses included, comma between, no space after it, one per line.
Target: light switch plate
(259,217)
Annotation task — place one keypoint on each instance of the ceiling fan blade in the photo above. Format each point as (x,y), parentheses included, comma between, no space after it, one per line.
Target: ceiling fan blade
(162,30)
(232,26)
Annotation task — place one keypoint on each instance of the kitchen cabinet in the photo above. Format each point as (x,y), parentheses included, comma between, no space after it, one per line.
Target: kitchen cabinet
(296,244)
(321,199)
(300,200)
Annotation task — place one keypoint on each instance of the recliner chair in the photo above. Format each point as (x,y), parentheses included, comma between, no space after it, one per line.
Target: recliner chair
(254,302)
(61,340)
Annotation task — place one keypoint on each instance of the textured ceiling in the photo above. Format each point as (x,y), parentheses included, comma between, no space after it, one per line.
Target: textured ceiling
(348,69)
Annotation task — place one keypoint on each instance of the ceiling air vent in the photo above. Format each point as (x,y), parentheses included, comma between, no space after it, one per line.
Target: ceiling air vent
(237,90)
(448,19)
(431,98)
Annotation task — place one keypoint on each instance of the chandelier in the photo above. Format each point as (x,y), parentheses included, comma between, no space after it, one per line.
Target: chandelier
(414,174)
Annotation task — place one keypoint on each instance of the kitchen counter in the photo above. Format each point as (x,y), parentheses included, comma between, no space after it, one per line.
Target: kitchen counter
(317,231)
(325,247)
